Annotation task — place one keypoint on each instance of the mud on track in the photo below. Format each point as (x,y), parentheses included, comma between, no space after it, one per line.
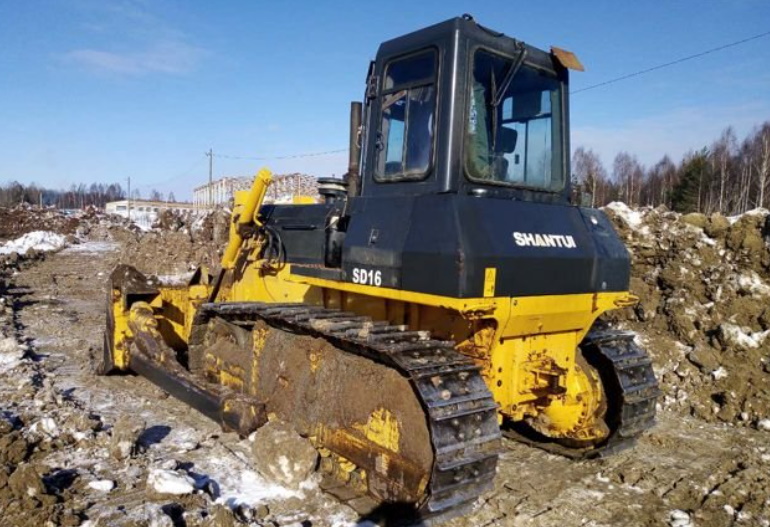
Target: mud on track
(685,472)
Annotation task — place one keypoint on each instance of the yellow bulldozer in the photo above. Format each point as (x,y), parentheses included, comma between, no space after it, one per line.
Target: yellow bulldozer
(444,294)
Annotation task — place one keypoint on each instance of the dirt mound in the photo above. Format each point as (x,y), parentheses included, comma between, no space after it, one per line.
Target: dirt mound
(705,301)
(176,244)
(20,220)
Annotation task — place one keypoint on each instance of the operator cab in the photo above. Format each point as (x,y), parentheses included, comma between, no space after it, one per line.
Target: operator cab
(464,183)
(459,108)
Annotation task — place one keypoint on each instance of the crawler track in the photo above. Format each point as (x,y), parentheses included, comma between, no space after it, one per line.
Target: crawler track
(461,413)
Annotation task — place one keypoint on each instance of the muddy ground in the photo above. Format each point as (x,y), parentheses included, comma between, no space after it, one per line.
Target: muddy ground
(76,449)
(69,435)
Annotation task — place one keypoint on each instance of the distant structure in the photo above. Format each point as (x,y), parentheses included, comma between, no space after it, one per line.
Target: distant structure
(145,212)
(283,188)
(219,192)
(286,186)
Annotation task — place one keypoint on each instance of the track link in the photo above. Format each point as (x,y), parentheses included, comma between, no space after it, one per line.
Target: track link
(461,413)
(632,388)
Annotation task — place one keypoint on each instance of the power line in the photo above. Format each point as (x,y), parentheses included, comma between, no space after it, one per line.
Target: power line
(273,158)
(672,63)
(180,175)
(210,154)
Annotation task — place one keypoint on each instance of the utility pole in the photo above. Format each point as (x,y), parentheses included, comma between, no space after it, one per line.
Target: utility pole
(210,153)
(129,197)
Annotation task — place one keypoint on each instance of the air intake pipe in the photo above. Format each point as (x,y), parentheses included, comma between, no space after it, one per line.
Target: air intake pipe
(353,176)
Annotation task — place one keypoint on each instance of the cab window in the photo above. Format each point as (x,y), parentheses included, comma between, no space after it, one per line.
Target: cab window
(408,107)
(514,130)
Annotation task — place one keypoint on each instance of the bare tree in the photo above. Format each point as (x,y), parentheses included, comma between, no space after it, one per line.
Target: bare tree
(629,175)
(722,152)
(590,173)
(762,161)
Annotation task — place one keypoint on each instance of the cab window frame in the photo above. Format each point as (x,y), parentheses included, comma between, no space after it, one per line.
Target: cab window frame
(432,81)
(558,126)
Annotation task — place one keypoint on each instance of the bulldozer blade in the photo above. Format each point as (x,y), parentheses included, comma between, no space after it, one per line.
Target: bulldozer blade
(233,411)
(125,285)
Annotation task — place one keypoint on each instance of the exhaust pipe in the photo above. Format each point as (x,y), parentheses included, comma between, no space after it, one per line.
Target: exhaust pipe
(353,176)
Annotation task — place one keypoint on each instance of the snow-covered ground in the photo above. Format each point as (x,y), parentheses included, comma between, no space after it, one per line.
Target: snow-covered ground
(92,247)
(37,240)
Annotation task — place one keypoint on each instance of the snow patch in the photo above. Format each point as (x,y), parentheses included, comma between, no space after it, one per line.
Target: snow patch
(46,427)
(175,279)
(37,240)
(719,373)
(102,485)
(632,217)
(164,481)
(248,487)
(11,354)
(743,516)
(679,518)
(708,241)
(743,337)
(339,519)
(92,247)
(751,283)
(759,211)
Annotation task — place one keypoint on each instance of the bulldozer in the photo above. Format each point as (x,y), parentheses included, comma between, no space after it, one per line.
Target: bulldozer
(445,293)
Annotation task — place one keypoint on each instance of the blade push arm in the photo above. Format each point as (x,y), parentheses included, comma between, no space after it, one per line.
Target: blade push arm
(249,214)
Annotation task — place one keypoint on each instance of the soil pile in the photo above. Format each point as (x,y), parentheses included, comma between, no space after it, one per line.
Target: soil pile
(705,303)
(16,221)
(176,244)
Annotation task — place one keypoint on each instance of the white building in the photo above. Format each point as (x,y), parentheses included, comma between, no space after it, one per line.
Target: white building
(283,188)
(145,212)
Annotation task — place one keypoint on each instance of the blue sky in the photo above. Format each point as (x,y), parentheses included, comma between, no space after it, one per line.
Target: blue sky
(97,90)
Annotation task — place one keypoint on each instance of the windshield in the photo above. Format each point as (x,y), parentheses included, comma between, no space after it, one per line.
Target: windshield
(514,124)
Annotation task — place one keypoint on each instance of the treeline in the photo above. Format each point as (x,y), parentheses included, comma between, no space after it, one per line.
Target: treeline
(729,176)
(77,197)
